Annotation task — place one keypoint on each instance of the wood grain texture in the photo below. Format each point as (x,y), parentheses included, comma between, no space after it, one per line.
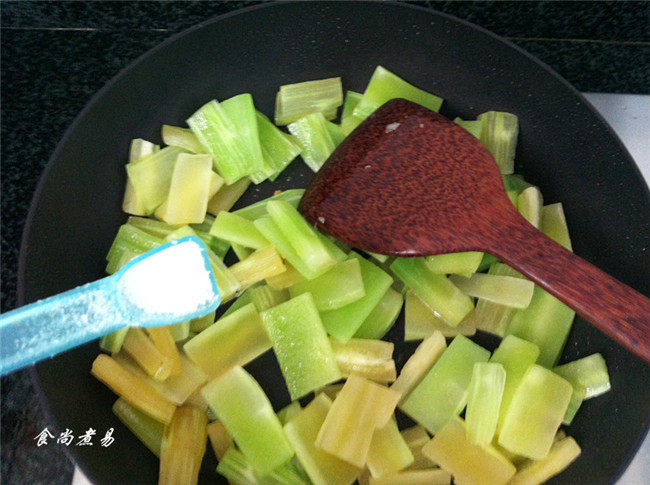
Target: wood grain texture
(409,182)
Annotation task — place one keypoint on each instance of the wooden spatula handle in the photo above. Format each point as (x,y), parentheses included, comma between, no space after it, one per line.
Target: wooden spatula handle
(613,307)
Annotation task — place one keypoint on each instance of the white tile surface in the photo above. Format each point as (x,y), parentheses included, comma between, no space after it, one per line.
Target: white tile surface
(629,115)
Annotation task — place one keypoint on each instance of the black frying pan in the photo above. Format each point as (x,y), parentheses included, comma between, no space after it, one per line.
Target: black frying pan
(565,148)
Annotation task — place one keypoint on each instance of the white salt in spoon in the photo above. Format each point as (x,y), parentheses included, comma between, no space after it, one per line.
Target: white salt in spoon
(166,285)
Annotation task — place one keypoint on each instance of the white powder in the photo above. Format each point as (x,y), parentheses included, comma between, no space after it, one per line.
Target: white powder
(172,281)
(392,127)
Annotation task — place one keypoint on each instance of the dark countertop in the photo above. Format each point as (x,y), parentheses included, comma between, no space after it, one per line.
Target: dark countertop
(55,55)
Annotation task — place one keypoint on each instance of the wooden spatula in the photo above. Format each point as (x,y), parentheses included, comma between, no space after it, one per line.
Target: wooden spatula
(409,182)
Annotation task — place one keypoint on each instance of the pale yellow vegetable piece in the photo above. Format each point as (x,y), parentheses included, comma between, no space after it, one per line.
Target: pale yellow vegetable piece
(219,438)
(143,351)
(562,454)
(419,364)
(183,447)
(434,476)
(389,453)
(262,264)
(420,321)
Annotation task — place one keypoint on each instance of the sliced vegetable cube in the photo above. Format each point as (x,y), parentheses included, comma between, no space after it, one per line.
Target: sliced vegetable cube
(414,477)
(442,393)
(420,322)
(535,413)
(295,101)
(278,148)
(348,122)
(258,209)
(236,229)
(145,428)
(388,452)
(301,345)
(175,136)
(183,447)
(562,454)
(340,285)
(243,408)
(219,437)
(553,224)
(469,463)
(484,401)
(315,140)
(458,263)
(302,431)
(435,290)
(344,322)
(499,133)
(233,340)
(227,196)
(132,203)
(262,264)
(371,359)
(360,408)
(504,290)
(589,372)
(382,317)
(419,364)
(529,203)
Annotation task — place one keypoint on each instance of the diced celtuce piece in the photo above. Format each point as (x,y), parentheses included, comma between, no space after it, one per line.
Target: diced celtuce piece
(132,203)
(183,447)
(177,388)
(484,401)
(189,190)
(233,340)
(348,122)
(286,279)
(435,290)
(414,477)
(388,452)
(238,470)
(301,345)
(372,359)
(216,182)
(227,196)
(546,322)
(219,437)
(144,427)
(420,322)
(419,364)
(340,285)
(302,430)
(265,297)
(473,126)
(562,454)
(360,408)
(499,133)
(574,404)
(504,290)
(553,224)
(336,133)
(144,352)
(201,323)
(489,316)
(469,463)
(302,236)
(295,101)
(530,203)
(382,317)
(441,395)
(278,148)
(516,356)
(134,390)
(243,408)
(228,131)
(416,437)
(382,258)
(156,228)
(175,136)
(258,209)
(535,413)
(384,86)
(129,238)
(458,263)
(151,176)
(315,140)
(589,372)
(237,230)
(344,322)
(164,341)
(331,390)
(241,252)
(180,331)
(112,342)
(262,264)
(514,182)
(288,412)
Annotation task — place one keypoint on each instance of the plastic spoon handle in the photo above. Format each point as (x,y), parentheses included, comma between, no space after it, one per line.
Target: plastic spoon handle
(53,325)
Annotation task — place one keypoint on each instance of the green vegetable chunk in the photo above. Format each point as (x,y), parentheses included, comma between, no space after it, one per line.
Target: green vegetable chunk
(382,317)
(237,230)
(458,263)
(228,131)
(148,430)
(388,451)
(435,290)
(504,290)
(563,453)
(484,401)
(442,394)
(241,405)
(384,86)
(302,431)
(294,101)
(344,322)
(516,356)
(420,322)
(184,138)
(535,413)
(348,121)
(315,139)
(589,372)
(469,463)
(132,203)
(301,345)
(499,133)
(340,285)
(278,148)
